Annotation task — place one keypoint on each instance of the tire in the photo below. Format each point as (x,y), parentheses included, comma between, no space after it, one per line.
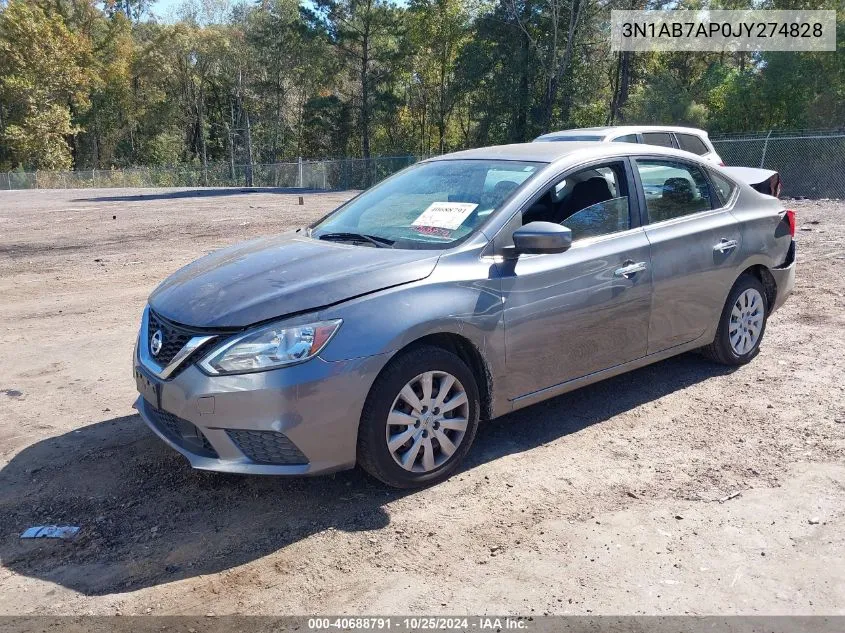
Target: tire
(436,458)
(722,350)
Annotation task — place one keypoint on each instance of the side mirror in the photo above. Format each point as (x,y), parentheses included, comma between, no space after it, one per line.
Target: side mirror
(541,237)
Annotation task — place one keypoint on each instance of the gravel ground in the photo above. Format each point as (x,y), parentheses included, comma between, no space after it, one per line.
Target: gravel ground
(679,488)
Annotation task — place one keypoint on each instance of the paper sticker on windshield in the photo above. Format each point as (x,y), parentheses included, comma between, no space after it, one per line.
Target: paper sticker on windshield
(445,215)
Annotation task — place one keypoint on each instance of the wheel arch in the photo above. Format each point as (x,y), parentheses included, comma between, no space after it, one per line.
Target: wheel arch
(766,278)
(759,271)
(468,352)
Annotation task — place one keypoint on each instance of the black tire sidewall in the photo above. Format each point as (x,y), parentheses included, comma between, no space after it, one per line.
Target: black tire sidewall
(374,455)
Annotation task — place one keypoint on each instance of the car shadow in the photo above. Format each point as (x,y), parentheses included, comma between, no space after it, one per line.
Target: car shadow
(199,193)
(147,518)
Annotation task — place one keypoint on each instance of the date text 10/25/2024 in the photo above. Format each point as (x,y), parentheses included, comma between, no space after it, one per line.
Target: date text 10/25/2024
(419,623)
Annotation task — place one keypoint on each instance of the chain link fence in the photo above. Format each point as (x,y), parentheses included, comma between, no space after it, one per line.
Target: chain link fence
(348,173)
(811,163)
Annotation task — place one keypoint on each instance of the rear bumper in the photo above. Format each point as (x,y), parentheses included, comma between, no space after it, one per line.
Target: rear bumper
(784,276)
(299,420)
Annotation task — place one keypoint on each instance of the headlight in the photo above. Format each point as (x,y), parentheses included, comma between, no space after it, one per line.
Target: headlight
(270,346)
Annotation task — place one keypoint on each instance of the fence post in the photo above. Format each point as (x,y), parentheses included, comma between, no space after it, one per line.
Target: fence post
(36,179)
(9,180)
(299,175)
(765,147)
(94,178)
(324,176)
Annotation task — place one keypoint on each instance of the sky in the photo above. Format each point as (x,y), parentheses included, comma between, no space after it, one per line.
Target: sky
(164,6)
(166,9)
(163,9)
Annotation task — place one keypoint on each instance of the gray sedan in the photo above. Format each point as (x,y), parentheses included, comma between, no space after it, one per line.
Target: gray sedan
(458,290)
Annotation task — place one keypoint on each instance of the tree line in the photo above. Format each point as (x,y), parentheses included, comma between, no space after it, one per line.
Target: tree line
(89,84)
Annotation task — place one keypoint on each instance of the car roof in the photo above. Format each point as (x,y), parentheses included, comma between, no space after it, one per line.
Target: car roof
(553,152)
(625,129)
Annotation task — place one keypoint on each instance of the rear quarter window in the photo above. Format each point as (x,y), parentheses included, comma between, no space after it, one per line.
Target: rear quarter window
(724,187)
(691,143)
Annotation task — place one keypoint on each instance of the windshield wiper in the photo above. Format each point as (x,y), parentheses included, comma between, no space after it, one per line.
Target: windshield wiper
(379,242)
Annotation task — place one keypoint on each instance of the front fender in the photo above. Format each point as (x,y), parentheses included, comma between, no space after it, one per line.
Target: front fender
(462,298)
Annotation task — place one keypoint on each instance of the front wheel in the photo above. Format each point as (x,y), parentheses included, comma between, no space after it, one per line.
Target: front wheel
(420,418)
(742,323)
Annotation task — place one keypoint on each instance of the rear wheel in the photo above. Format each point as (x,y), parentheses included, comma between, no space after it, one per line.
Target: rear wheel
(742,323)
(420,418)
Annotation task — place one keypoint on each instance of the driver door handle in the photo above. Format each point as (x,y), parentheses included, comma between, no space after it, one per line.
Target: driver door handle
(725,245)
(630,269)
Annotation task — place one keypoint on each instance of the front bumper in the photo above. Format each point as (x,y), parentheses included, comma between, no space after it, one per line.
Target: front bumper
(298,420)
(784,276)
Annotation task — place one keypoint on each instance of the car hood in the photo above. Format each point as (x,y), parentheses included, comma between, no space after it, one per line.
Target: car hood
(281,275)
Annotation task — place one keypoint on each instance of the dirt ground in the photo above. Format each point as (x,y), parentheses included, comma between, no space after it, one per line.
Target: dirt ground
(612,499)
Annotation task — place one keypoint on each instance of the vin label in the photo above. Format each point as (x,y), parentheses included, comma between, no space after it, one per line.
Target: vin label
(723,31)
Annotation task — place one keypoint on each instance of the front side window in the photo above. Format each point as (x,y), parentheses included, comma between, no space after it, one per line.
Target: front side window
(663,139)
(691,143)
(431,205)
(672,188)
(590,202)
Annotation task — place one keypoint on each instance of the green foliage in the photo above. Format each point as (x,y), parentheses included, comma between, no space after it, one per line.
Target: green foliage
(96,84)
(165,148)
(39,140)
(44,77)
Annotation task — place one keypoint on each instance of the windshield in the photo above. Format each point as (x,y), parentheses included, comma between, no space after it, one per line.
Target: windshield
(430,205)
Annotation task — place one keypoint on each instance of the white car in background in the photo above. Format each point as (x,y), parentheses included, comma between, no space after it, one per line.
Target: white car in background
(689,139)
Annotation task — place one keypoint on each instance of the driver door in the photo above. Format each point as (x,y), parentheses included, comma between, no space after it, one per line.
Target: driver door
(574,313)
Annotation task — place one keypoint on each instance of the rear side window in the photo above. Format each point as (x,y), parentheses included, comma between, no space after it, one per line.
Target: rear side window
(691,143)
(628,138)
(663,139)
(724,187)
(673,189)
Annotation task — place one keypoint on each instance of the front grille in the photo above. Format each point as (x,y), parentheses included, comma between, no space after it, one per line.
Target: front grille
(267,447)
(173,338)
(181,432)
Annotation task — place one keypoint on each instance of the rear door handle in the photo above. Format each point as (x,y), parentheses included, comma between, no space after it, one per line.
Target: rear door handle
(725,245)
(630,269)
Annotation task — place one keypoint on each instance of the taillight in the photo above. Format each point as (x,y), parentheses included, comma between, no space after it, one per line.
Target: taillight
(790,218)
